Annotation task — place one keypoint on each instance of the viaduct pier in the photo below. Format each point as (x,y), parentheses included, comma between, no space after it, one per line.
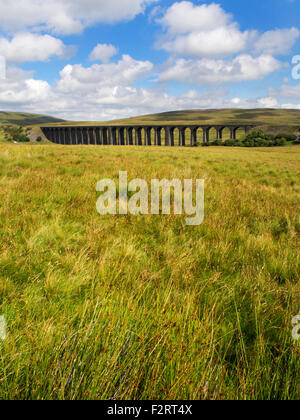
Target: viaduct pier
(146,135)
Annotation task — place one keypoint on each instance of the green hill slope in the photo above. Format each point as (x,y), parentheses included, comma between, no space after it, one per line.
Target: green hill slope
(270,119)
(24,119)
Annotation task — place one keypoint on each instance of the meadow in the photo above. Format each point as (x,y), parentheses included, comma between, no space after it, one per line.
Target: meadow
(125,307)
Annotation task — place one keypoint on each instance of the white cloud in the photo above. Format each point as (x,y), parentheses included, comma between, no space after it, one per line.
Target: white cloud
(286,91)
(20,89)
(74,79)
(209,71)
(201,31)
(32,47)
(83,94)
(207,31)
(103,52)
(184,17)
(214,48)
(220,41)
(221,52)
(276,42)
(79,97)
(268,102)
(66,16)
(290,106)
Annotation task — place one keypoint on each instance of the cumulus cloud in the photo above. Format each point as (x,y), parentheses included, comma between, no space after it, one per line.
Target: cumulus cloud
(123,73)
(103,52)
(286,91)
(277,42)
(290,106)
(20,89)
(203,31)
(207,31)
(32,47)
(211,47)
(184,17)
(83,94)
(205,71)
(79,96)
(221,53)
(66,16)
(220,41)
(268,102)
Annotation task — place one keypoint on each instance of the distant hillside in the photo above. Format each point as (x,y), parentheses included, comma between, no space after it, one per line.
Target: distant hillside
(24,119)
(260,117)
(270,119)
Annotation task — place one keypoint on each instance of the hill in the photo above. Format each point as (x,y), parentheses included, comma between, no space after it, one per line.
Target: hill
(260,117)
(276,118)
(269,119)
(24,119)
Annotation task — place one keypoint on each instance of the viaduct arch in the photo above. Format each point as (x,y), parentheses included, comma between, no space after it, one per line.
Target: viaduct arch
(137,135)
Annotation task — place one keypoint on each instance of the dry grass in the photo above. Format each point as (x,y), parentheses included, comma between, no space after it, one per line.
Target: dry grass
(145,307)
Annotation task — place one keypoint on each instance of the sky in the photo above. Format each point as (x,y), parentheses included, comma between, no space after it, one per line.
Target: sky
(99,60)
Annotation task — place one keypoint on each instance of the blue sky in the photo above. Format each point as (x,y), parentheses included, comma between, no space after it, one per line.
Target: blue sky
(106,59)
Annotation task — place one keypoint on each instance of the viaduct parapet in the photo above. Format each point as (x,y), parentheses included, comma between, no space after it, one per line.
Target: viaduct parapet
(146,135)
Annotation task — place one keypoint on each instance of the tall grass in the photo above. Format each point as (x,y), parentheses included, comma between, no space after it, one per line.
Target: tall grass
(145,307)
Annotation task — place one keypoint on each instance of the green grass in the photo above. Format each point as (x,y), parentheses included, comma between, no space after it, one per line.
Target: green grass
(146,307)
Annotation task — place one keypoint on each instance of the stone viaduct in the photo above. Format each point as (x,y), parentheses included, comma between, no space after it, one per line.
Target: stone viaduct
(137,135)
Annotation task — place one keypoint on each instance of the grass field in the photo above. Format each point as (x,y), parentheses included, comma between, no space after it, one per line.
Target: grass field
(121,307)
